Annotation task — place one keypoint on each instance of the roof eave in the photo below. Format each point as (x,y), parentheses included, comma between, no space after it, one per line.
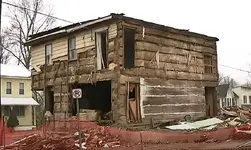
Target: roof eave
(65,31)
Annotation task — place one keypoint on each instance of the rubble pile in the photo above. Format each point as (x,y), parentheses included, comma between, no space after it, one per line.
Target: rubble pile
(228,117)
(235,116)
(94,138)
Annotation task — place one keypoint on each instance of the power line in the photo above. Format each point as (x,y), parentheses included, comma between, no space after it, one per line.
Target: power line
(235,68)
(37,12)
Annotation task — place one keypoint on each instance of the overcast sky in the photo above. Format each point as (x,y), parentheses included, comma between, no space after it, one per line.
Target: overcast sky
(226,19)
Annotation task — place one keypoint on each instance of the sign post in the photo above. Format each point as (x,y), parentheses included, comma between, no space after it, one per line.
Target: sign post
(77,93)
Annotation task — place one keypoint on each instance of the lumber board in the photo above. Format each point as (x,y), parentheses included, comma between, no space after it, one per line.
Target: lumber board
(174,109)
(173,99)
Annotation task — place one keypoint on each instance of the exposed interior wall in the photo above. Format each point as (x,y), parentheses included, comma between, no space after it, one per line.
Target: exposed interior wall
(171,99)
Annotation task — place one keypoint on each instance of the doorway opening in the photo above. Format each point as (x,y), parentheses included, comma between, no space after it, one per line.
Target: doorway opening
(95,97)
(51,102)
(211,101)
(133,103)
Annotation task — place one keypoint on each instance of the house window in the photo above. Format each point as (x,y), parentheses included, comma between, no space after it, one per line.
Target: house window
(129,52)
(6,110)
(249,99)
(8,89)
(21,88)
(245,99)
(72,48)
(19,110)
(208,65)
(48,54)
(101,47)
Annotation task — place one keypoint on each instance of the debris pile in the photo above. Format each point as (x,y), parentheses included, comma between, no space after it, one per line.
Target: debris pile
(235,116)
(228,117)
(94,138)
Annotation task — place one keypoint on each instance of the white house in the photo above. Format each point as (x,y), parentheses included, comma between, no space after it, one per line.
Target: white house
(244,93)
(227,97)
(16,94)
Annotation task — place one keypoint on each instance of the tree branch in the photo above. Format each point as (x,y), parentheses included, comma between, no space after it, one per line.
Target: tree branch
(14,55)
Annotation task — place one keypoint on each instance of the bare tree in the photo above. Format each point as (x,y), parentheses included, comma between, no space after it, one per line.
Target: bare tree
(4,54)
(23,23)
(227,80)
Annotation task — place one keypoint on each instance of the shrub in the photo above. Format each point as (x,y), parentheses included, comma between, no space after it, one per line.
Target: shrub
(12,121)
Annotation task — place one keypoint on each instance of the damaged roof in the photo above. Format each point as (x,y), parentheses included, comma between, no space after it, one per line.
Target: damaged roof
(60,31)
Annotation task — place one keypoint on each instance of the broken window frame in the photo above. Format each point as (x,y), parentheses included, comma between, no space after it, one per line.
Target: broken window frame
(208,64)
(98,44)
(131,28)
(137,118)
(48,54)
(72,51)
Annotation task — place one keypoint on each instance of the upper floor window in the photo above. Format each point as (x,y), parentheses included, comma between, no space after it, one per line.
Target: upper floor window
(21,88)
(208,65)
(48,54)
(249,99)
(245,99)
(101,47)
(8,88)
(72,52)
(129,52)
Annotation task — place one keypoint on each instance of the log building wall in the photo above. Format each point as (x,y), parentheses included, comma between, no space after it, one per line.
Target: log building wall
(174,86)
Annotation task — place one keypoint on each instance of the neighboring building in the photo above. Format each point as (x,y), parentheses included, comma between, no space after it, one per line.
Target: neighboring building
(244,93)
(135,69)
(227,96)
(16,94)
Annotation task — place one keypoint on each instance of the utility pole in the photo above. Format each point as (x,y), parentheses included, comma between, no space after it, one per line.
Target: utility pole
(1,50)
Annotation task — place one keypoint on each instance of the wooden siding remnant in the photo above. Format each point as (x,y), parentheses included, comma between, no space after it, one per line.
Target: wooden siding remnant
(37,55)
(85,43)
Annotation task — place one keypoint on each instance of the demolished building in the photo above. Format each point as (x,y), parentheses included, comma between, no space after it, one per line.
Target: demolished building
(134,69)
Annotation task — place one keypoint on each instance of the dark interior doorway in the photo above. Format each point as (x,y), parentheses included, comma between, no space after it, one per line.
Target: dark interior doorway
(95,96)
(211,101)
